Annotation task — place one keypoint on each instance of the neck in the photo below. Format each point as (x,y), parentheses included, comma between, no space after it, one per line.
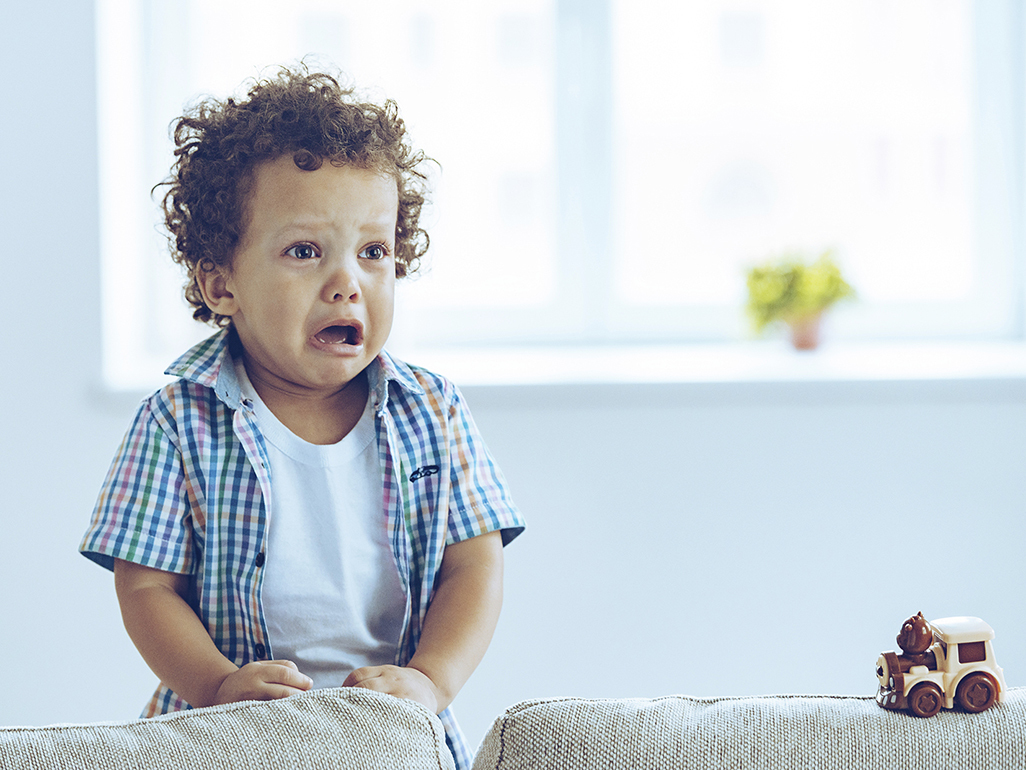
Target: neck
(315,416)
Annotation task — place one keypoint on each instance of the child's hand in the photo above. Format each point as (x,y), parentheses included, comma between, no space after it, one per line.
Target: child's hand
(406,683)
(263,680)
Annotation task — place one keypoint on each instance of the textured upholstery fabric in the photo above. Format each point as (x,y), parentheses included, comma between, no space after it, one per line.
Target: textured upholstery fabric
(333,728)
(821,732)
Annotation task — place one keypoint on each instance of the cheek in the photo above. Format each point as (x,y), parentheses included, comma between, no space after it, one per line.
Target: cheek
(384,306)
(274,312)
(270,300)
(386,310)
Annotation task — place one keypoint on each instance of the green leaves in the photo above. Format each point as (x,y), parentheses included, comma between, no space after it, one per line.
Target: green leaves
(790,289)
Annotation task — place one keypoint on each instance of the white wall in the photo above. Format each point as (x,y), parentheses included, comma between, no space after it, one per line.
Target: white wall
(749,539)
(683,538)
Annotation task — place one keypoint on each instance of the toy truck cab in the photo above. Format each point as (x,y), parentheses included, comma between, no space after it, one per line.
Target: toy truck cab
(958,668)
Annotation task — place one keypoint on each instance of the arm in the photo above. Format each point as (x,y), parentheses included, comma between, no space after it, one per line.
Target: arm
(457,629)
(176,646)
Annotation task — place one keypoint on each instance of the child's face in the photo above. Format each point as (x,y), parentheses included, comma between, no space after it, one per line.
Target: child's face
(312,283)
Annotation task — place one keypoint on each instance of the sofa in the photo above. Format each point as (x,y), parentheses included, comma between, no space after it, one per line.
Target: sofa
(789,731)
(360,730)
(352,729)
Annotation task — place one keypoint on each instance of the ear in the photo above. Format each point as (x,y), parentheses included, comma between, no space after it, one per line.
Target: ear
(215,286)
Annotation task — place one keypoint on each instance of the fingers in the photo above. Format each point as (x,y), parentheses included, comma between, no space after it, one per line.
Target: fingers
(388,679)
(284,672)
(406,683)
(365,674)
(272,679)
(263,680)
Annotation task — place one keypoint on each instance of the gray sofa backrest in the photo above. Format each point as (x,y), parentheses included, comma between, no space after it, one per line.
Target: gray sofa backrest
(782,732)
(343,728)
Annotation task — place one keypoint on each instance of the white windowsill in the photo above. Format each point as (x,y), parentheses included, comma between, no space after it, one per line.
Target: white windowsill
(743,362)
(746,370)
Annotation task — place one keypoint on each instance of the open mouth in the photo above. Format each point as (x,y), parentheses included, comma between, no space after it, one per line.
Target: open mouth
(340,335)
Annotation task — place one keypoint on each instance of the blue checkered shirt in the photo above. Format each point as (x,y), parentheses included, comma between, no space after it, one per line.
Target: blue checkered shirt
(189,488)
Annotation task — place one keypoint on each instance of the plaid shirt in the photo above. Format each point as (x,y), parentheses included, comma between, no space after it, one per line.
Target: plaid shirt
(189,489)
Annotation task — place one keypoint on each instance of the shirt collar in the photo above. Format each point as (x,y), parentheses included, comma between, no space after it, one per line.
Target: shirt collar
(204,364)
(385,369)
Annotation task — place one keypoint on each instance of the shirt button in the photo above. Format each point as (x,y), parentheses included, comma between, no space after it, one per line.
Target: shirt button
(260,558)
(260,651)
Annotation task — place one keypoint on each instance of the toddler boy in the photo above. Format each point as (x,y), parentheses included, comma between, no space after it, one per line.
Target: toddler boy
(299,509)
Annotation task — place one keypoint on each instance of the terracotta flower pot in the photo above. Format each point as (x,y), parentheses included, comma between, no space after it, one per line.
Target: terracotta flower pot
(805,331)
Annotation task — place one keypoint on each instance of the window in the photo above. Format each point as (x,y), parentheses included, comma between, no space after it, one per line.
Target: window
(609,168)
(972,652)
(873,128)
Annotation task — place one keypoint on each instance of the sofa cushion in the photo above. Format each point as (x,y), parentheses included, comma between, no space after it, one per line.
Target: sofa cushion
(333,728)
(821,732)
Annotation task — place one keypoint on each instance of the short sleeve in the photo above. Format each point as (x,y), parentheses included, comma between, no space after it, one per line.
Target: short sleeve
(480,501)
(142,514)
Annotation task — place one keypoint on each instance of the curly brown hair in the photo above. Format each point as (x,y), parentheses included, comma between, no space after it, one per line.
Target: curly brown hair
(308,115)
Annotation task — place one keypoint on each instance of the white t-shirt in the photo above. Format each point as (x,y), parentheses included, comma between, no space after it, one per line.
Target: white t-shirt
(331,595)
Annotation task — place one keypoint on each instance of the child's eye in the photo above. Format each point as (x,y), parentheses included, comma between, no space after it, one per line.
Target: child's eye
(301,251)
(375,251)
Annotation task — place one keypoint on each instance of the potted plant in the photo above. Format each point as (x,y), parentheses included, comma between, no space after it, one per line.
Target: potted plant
(795,292)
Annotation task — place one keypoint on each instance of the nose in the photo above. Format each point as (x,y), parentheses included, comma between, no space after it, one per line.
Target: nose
(342,283)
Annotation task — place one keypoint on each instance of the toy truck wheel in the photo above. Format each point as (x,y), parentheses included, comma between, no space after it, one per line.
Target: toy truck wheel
(977,692)
(925,699)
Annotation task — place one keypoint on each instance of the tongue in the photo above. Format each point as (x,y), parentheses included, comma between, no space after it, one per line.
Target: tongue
(334,335)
